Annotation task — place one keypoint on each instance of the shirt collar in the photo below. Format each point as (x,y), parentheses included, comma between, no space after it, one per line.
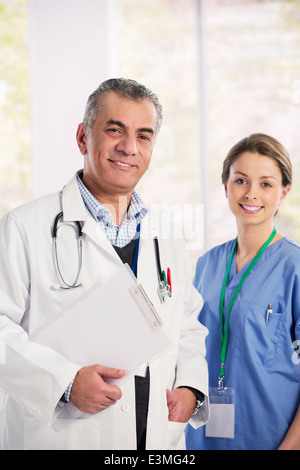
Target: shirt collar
(136,211)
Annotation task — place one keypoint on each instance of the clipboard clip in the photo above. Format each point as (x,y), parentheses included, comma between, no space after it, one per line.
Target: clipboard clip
(146,307)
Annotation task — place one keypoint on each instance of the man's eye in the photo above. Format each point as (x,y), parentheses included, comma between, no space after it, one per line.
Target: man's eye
(113,130)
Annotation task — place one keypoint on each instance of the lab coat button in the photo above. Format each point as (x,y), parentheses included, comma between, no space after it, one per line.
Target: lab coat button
(125,408)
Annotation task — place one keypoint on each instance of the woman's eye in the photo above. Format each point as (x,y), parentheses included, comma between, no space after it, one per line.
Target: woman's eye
(240,181)
(266,185)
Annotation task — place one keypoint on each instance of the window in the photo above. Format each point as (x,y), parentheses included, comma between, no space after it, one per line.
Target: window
(15,136)
(249,56)
(158,47)
(253,85)
(243,56)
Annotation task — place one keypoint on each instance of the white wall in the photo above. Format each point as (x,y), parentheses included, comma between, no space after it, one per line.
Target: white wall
(72,50)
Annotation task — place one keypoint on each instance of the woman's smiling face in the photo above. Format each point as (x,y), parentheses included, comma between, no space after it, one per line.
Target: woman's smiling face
(254,188)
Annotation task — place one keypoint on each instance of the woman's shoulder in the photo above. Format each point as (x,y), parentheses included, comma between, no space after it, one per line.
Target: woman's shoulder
(291,243)
(290,248)
(216,253)
(211,264)
(219,249)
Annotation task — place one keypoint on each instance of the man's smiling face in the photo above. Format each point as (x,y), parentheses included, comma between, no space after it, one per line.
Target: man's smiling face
(119,147)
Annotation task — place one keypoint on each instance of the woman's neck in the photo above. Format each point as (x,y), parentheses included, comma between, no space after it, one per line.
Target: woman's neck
(250,241)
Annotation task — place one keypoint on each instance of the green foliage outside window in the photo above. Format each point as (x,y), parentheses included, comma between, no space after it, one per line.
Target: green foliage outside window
(15,133)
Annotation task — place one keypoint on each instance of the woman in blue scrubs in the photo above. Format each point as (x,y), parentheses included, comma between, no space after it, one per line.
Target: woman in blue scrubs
(259,277)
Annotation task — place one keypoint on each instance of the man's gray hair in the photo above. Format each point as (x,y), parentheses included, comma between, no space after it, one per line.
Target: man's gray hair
(125,87)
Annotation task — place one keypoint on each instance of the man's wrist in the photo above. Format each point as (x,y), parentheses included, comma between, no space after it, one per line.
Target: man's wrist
(199,398)
(66,396)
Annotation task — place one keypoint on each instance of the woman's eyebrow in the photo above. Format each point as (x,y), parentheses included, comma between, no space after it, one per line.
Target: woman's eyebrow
(261,177)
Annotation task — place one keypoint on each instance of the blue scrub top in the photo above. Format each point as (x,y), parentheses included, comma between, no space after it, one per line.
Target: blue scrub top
(261,363)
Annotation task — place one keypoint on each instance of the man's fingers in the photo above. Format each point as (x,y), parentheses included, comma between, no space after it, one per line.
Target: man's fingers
(90,392)
(113,392)
(110,372)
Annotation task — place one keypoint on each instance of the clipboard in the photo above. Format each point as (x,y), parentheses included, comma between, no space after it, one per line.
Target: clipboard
(114,324)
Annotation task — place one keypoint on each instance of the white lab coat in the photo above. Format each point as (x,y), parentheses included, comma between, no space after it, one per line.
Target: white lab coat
(34,377)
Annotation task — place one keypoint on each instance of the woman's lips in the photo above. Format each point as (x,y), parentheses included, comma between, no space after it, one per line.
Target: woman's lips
(251,209)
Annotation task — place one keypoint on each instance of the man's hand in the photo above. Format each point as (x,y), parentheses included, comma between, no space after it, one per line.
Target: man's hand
(181,404)
(90,394)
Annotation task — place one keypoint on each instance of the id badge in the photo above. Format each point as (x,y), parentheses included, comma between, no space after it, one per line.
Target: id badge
(221,421)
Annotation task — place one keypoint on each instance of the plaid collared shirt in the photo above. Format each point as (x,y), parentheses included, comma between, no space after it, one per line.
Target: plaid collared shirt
(118,236)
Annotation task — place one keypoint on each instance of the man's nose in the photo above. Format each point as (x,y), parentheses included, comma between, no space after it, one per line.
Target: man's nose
(128,145)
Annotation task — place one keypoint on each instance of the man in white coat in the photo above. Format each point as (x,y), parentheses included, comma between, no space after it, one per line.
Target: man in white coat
(150,411)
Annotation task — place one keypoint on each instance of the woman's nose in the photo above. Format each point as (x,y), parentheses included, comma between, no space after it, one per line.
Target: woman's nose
(250,195)
(251,191)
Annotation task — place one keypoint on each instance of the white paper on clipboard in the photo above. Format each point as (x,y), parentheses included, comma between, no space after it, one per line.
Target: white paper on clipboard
(114,324)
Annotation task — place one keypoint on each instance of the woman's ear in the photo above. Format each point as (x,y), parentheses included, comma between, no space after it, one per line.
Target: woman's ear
(285,191)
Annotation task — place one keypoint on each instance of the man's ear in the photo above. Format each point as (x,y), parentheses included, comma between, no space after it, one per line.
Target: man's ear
(81,137)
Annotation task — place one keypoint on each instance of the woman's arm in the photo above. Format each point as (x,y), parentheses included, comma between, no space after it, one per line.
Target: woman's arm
(292,438)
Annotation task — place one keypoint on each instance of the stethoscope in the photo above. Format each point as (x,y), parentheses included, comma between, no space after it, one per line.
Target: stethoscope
(65,285)
(164,282)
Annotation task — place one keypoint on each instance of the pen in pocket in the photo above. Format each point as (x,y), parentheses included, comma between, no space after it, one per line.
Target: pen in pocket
(269,310)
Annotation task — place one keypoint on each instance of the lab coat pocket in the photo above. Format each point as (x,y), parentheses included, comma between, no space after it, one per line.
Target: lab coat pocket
(258,335)
(78,434)
(175,436)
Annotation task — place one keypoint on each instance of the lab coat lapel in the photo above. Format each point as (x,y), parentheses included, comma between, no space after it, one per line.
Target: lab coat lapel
(74,209)
(72,203)
(92,230)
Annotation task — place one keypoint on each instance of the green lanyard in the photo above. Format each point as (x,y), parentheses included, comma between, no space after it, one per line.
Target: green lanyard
(224,333)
